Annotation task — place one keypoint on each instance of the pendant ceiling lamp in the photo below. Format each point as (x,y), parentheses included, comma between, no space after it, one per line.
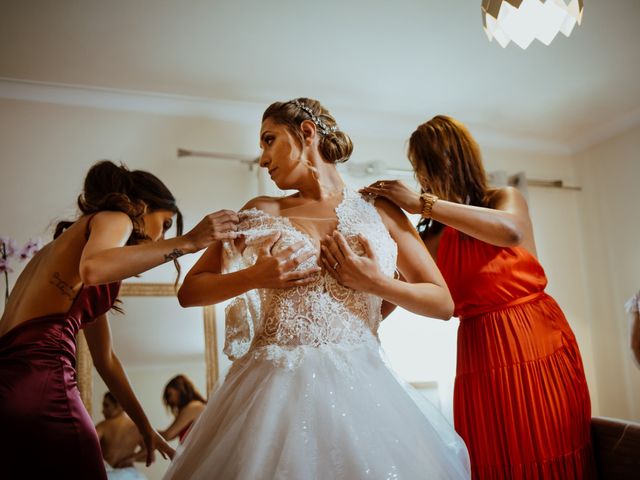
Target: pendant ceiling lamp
(522,21)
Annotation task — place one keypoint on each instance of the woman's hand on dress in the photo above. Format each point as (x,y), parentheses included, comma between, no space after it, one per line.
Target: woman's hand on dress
(153,441)
(221,225)
(279,270)
(360,273)
(397,192)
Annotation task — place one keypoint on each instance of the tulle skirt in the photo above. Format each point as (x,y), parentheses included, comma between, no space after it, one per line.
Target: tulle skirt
(339,413)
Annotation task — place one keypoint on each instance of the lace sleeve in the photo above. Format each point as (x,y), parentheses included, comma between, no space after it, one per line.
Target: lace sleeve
(242,315)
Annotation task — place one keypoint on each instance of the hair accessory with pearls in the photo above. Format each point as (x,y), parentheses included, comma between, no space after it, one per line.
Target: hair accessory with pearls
(324,129)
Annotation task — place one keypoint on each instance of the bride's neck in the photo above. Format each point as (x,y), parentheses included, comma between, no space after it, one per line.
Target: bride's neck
(325,182)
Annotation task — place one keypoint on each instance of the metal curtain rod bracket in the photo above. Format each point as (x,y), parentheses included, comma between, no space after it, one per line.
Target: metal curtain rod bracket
(533,182)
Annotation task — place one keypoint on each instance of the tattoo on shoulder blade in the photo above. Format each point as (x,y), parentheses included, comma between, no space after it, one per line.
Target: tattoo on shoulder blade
(62,285)
(176,253)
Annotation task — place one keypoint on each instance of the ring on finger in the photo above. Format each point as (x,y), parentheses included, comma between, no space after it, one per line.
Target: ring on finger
(381,184)
(336,265)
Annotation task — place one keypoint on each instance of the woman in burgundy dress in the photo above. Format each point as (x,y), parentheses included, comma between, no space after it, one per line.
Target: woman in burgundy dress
(71,284)
(521,401)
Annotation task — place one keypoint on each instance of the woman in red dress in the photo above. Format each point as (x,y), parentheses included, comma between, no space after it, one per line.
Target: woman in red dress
(521,401)
(68,285)
(186,404)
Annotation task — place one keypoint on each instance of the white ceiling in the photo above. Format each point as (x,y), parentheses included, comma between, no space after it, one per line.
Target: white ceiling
(396,60)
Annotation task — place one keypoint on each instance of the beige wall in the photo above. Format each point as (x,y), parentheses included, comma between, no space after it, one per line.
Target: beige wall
(610,229)
(47,148)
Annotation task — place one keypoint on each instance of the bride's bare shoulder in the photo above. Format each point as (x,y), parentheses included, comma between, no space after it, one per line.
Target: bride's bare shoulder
(269,205)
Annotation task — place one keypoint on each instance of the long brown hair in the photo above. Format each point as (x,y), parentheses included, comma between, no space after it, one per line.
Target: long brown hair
(334,145)
(187,393)
(448,163)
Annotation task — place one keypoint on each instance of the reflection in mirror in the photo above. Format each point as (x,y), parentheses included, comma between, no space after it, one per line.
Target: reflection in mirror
(156,339)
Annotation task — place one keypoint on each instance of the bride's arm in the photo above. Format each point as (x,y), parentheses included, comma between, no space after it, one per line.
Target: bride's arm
(423,290)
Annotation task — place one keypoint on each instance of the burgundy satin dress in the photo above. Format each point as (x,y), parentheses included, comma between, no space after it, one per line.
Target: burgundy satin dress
(45,431)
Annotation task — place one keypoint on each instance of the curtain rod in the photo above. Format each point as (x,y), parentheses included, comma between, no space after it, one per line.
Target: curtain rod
(244,159)
(252,162)
(511,181)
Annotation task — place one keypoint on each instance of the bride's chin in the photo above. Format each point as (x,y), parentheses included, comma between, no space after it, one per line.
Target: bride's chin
(284,185)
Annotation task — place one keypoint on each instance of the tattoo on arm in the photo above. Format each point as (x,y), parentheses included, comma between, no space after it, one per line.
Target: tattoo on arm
(176,253)
(64,287)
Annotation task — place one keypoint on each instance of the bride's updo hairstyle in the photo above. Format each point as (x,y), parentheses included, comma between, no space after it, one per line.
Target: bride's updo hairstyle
(108,186)
(335,146)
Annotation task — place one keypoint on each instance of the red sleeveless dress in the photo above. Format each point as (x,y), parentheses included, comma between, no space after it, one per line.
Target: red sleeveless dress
(183,433)
(45,431)
(521,401)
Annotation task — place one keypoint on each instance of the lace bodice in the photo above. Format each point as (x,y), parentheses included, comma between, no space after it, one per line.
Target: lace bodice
(278,322)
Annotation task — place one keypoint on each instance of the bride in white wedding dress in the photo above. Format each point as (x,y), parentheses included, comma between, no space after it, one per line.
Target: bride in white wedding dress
(309,395)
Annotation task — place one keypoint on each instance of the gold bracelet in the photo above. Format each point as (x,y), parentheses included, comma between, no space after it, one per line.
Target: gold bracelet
(428,200)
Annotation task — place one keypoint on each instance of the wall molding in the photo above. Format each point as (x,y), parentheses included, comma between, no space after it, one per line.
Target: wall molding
(374,124)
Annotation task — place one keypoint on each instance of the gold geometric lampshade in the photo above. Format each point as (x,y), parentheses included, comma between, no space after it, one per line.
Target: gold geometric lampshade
(523,21)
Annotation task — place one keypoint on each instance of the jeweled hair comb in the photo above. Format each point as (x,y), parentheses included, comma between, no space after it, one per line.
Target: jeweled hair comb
(324,129)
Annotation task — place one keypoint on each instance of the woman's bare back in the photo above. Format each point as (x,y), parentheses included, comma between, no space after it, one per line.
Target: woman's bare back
(119,439)
(50,281)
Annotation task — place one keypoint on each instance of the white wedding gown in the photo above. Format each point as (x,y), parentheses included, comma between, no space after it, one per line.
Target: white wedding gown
(309,395)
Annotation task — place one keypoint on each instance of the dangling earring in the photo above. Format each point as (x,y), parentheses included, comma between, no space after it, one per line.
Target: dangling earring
(314,172)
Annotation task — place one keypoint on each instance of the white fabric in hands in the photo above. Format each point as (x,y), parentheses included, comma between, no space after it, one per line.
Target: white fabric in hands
(309,395)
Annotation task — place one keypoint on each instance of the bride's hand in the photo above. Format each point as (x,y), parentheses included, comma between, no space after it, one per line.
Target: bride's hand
(279,270)
(348,268)
(397,192)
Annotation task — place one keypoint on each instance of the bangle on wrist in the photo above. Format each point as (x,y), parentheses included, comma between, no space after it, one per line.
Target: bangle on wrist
(428,200)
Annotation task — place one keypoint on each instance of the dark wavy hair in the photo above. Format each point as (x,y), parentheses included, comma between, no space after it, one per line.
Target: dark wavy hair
(187,393)
(109,187)
(335,146)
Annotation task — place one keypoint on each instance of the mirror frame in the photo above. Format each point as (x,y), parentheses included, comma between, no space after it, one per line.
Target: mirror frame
(84,363)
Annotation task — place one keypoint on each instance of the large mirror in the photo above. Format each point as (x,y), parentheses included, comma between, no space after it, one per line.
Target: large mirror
(155,339)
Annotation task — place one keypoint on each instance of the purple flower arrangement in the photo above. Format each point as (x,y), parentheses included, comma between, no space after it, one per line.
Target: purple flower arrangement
(9,250)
